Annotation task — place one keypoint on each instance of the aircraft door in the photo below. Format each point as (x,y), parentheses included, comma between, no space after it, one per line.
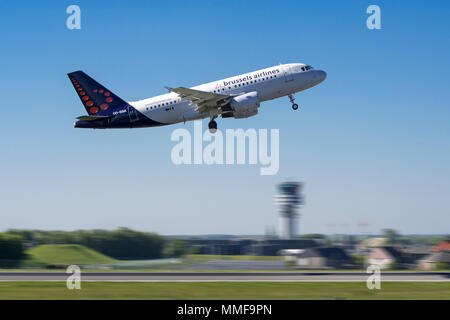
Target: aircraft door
(133,114)
(288,74)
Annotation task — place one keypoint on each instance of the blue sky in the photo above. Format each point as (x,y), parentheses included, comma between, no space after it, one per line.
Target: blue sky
(371,143)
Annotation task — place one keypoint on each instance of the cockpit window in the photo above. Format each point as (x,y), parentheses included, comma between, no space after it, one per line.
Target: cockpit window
(303,68)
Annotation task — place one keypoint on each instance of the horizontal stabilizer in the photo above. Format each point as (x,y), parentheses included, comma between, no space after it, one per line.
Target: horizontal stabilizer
(92,118)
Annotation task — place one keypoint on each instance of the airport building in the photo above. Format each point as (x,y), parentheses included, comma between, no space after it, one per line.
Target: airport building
(289,199)
(257,247)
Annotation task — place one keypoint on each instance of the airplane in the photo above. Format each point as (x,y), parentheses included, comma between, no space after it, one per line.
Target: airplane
(235,97)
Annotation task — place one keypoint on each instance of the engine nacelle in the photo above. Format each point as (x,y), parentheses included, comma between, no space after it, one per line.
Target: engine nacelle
(245,105)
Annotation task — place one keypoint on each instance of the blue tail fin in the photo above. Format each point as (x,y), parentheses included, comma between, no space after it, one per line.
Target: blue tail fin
(96,98)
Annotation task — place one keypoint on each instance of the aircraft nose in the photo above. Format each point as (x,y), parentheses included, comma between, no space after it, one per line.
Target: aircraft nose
(321,75)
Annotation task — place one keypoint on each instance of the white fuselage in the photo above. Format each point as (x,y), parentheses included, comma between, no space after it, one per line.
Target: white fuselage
(269,83)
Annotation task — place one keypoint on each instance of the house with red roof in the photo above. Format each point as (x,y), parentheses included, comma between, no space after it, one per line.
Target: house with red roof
(442,246)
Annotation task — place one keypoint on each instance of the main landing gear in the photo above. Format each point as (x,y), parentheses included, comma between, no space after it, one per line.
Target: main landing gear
(212,125)
(294,105)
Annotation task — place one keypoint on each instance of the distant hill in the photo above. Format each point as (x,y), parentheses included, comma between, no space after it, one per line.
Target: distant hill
(67,254)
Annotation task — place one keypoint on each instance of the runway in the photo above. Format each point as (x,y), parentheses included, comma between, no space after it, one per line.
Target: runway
(227,276)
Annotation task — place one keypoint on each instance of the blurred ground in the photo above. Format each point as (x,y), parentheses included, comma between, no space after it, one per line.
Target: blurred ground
(223,290)
(238,265)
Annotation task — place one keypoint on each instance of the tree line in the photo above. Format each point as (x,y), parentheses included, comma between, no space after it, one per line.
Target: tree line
(122,243)
(11,249)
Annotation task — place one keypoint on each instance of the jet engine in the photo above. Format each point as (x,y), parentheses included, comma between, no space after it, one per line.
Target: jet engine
(245,105)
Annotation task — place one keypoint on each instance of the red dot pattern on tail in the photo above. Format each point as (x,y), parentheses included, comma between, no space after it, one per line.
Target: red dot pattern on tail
(93,110)
(90,103)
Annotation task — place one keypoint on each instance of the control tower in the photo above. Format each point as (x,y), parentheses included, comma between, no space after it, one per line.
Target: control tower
(288,199)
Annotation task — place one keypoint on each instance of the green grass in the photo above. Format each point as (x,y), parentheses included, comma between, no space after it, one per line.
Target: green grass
(230,257)
(66,254)
(224,290)
(158,269)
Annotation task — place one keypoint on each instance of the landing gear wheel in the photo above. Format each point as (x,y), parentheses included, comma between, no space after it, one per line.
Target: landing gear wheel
(292,99)
(212,126)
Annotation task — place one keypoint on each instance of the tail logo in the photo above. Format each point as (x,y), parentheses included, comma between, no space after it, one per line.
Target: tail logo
(95,98)
(86,99)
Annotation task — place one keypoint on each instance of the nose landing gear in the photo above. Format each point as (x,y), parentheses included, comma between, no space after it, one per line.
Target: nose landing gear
(292,99)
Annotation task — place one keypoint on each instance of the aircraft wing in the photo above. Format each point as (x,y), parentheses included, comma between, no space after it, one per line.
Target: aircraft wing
(204,100)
